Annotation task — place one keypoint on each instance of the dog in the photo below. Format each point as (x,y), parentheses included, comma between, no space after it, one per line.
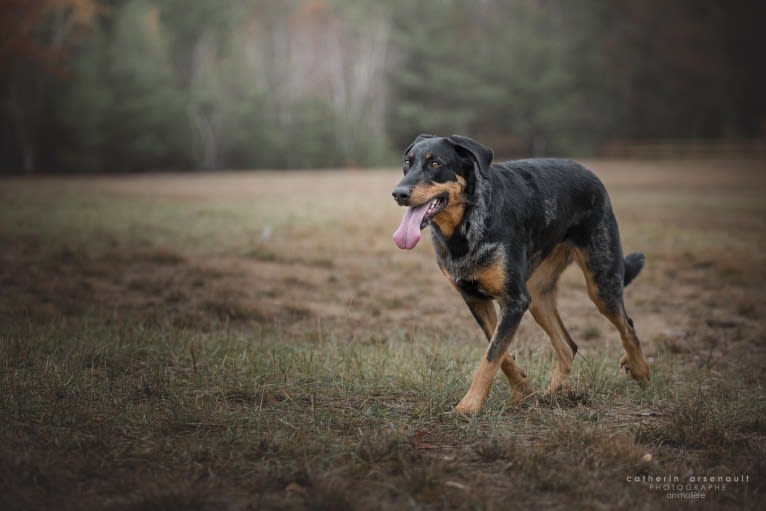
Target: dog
(504,232)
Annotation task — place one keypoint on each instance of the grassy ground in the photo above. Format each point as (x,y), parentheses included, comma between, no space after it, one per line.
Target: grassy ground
(256,341)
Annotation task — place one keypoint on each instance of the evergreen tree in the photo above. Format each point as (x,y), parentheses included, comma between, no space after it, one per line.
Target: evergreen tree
(132,85)
(83,109)
(148,125)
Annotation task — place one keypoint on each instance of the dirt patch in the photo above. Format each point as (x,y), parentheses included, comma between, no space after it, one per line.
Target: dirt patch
(339,275)
(257,341)
(158,286)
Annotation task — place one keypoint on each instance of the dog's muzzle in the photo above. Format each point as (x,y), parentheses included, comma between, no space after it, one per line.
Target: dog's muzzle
(402,195)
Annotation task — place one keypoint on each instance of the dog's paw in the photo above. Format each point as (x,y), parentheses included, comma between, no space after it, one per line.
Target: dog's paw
(520,392)
(638,369)
(468,406)
(558,387)
(464,411)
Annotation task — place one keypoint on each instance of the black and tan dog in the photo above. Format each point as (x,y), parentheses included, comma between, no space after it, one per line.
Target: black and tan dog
(504,232)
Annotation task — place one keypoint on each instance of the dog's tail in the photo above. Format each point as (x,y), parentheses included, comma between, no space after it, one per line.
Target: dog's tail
(633,264)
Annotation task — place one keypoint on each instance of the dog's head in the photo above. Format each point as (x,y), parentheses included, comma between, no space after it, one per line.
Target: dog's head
(438,173)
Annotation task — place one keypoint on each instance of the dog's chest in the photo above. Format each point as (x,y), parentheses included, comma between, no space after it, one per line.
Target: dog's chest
(473,274)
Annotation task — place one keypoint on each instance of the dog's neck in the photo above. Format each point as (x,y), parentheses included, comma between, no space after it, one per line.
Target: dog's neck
(467,249)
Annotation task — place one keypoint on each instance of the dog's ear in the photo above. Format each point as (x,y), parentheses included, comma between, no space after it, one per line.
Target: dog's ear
(420,137)
(481,154)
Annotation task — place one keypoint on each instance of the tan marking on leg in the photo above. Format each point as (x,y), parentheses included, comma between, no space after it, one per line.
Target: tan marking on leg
(486,315)
(582,261)
(543,309)
(482,380)
(480,385)
(516,377)
(542,289)
(546,275)
(633,361)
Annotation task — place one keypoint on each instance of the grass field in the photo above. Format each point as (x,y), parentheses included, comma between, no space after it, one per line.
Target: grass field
(256,341)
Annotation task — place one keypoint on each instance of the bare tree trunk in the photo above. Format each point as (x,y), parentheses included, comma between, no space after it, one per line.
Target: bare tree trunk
(366,101)
(204,127)
(203,56)
(63,22)
(26,118)
(318,59)
(281,86)
(21,128)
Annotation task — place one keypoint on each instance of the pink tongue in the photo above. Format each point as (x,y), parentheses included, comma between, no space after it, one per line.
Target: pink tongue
(408,233)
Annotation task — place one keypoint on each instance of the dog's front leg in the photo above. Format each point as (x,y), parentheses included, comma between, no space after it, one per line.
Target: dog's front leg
(512,311)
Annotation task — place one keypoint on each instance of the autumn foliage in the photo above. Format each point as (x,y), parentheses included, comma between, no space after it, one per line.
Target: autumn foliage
(126,85)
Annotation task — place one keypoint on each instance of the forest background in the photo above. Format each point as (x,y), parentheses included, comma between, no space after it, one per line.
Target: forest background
(140,85)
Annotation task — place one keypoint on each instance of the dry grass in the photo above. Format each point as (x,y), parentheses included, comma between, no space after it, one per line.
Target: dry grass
(249,341)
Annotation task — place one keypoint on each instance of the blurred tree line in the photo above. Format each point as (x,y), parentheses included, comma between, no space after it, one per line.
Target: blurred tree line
(133,85)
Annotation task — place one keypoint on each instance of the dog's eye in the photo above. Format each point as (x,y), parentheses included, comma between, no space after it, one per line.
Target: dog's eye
(435,164)
(406,162)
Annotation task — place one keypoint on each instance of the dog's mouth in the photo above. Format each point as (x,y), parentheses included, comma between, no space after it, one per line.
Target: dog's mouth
(435,206)
(416,218)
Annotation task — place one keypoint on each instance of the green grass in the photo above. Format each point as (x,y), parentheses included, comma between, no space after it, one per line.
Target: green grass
(120,407)
(162,353)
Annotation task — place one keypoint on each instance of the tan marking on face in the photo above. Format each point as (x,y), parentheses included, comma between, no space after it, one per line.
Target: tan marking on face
(428,156)
(450,217)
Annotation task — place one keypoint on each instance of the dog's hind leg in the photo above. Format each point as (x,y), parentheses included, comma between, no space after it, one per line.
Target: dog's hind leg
(483,309)
(542,289)
(603,265)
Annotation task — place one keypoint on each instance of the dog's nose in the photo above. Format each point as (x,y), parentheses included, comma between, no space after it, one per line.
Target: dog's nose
(401,194)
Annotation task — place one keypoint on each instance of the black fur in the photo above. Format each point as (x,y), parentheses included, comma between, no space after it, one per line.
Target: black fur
(634,262)
(517,213)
